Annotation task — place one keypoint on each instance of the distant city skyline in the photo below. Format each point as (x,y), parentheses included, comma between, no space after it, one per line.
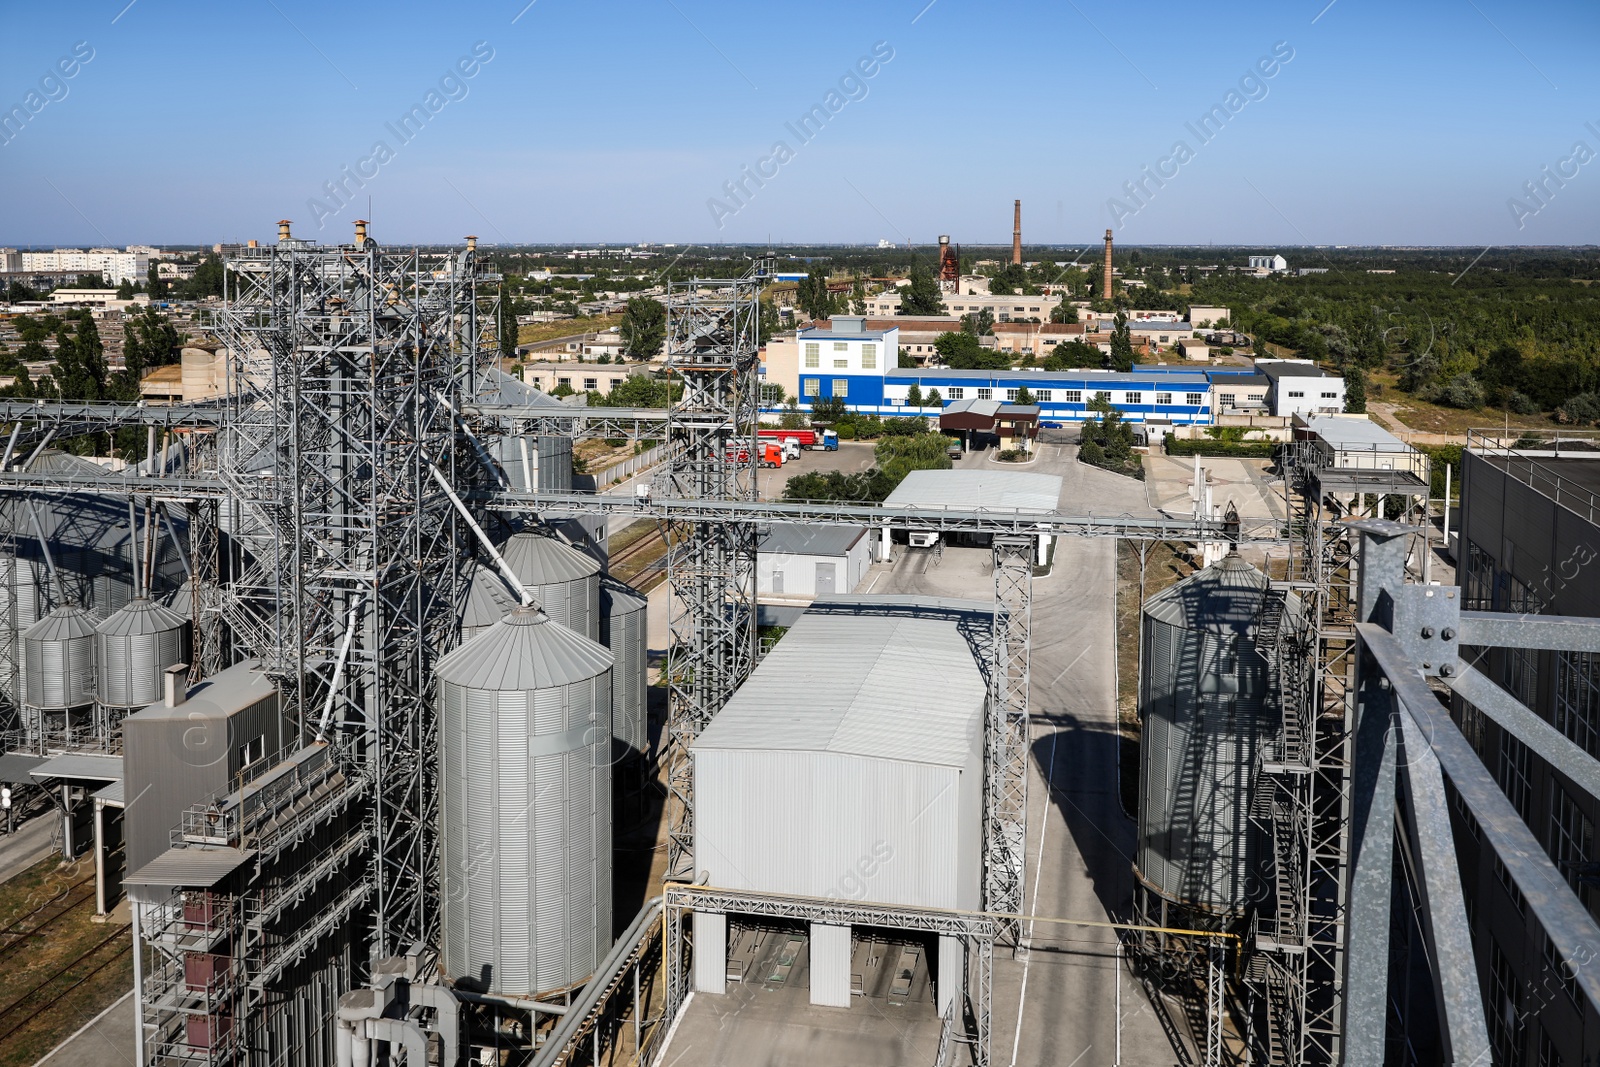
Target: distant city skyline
(1270,125)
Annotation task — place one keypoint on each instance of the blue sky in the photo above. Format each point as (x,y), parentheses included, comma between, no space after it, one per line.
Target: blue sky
(1393,123)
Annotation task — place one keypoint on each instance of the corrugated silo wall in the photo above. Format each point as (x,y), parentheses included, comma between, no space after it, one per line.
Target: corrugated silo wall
(1198,747)
(624,622)
(526,834)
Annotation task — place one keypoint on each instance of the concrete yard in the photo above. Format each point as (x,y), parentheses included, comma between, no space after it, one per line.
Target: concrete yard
(1244,483)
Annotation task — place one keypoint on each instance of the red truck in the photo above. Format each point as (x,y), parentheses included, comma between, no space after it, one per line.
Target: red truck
(771,455)
(816,439)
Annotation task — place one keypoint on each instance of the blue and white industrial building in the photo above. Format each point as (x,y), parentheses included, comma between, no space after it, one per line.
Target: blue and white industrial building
(856,365)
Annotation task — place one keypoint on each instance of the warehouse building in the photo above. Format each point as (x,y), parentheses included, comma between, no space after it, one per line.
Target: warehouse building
(873,725)
(799,562)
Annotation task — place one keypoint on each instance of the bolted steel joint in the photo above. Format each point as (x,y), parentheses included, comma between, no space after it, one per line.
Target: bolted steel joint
(1448,634)
(1427,633)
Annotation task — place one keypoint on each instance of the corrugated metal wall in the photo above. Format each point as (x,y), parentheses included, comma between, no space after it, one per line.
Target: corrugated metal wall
(827,824)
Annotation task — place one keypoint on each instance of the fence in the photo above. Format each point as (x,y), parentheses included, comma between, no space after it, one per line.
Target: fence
(621,472)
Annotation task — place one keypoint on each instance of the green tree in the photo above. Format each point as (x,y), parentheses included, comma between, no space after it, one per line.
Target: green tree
(80,367)
(157,284)
(1025,397)
(1064,312)
(1355,390)
(1011,279)
(207,278)
(858,297)
(1074,355)
(901,454)
(914,396)
(506,327)
(922,296)
(933,399)
(813,296)
(148,340)
(961,351)
(125,290)
(828,409)
(16,293)
(644,326)
(979,323)
(1121,344)
(642,391)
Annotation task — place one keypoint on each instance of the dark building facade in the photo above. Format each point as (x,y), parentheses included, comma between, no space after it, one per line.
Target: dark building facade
(1530,542)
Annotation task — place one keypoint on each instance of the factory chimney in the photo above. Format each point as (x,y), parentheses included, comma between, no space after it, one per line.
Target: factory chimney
(361,232)
(1016,232)
(1105,292)
(283,229)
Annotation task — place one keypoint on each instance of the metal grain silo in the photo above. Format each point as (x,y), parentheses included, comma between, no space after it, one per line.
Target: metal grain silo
(1205,700)
(489,599)
(623,630)
(58,659)
(136,645)
(563,581)
(525,776)
(21,600)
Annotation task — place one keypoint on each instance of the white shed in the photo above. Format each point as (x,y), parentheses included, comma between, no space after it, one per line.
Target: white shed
(849,764)
(971,490)
(803,561)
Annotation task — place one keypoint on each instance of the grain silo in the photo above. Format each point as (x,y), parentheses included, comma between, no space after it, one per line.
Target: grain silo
(623,630)
(1206,703)
(525,778)
(58,659)
(489,599)
(563,581)
(136,645)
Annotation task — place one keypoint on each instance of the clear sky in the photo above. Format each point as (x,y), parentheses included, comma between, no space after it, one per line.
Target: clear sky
(1408,122)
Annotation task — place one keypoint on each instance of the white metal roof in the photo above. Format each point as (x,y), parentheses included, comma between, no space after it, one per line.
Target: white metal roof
(802,539)
(884,687)
(972,405)
(1345,432)
(81,765)
(978,489)
(191,868)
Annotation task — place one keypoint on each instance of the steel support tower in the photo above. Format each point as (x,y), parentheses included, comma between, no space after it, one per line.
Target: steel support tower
(1007,734)
(346,558)
(713,339)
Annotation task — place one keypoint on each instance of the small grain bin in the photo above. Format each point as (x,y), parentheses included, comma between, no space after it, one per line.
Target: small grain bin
(1206,702)
(623,630)
(563,581)
(58,659)
(525,779)
(137,643)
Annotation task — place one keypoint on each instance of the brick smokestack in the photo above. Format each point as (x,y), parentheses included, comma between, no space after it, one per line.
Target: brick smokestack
(1016,232)
(1105,289)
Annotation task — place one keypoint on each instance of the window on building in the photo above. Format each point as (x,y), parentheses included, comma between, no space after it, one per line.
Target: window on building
(1103,394)
(1562,972)
(1163,398)
(1515,775)
(869,357)
(1503,876)
(1330,396)
(813,353)
(1043,395)
(813,387)
(1578,699)
(841,364)
(1134,397)
(1478,594)
(1033,309)
(1297,394)
(1019,309)
(771,394)
(956,392)
(1194,400)
(841,346)
(1505,1020)
(564,381)
(1571,839)
(1011,395)
(841,387)
(591,384)
(985,394)
(1072,396)
(1227,400)
(1548,1055)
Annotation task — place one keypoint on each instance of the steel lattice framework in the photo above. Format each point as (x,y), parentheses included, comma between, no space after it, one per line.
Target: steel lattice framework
(713,339)
(1007,733)
(346,559)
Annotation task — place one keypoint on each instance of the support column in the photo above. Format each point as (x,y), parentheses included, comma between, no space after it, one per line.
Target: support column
(99,857)
(884,556)
(830,965)
(950,982)
(710,952)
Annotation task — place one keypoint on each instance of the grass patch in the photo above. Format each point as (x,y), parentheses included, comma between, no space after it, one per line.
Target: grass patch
(536,332)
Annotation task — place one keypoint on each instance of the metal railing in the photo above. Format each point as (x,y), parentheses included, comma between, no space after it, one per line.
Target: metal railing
(1519,452)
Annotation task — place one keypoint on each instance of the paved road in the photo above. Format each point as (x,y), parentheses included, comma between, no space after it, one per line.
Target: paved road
(1070,1002)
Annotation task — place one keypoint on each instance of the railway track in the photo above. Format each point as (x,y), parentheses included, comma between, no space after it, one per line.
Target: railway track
(46,994)
(649,573)
(27,928)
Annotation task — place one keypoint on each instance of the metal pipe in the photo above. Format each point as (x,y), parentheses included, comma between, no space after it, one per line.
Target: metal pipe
(338,669)
(11,446)
(44,545)
(50,435)
(172,534)
(525,597)
(133,546)
(542,1007)
(1447,512)
(567,1028)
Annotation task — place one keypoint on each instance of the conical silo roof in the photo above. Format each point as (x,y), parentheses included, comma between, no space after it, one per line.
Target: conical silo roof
(1223,598)
(541,560)
(488,598)
(63,624)
(140,616)
(524,651)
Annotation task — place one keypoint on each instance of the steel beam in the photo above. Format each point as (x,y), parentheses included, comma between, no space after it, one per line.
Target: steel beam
(1006,733)
(1564,917)
(1502,630)
(1443,913)
(1550,744)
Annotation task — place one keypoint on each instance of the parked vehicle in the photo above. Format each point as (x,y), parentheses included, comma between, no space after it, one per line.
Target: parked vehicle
(953,449)
(770,455)
(824,440)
